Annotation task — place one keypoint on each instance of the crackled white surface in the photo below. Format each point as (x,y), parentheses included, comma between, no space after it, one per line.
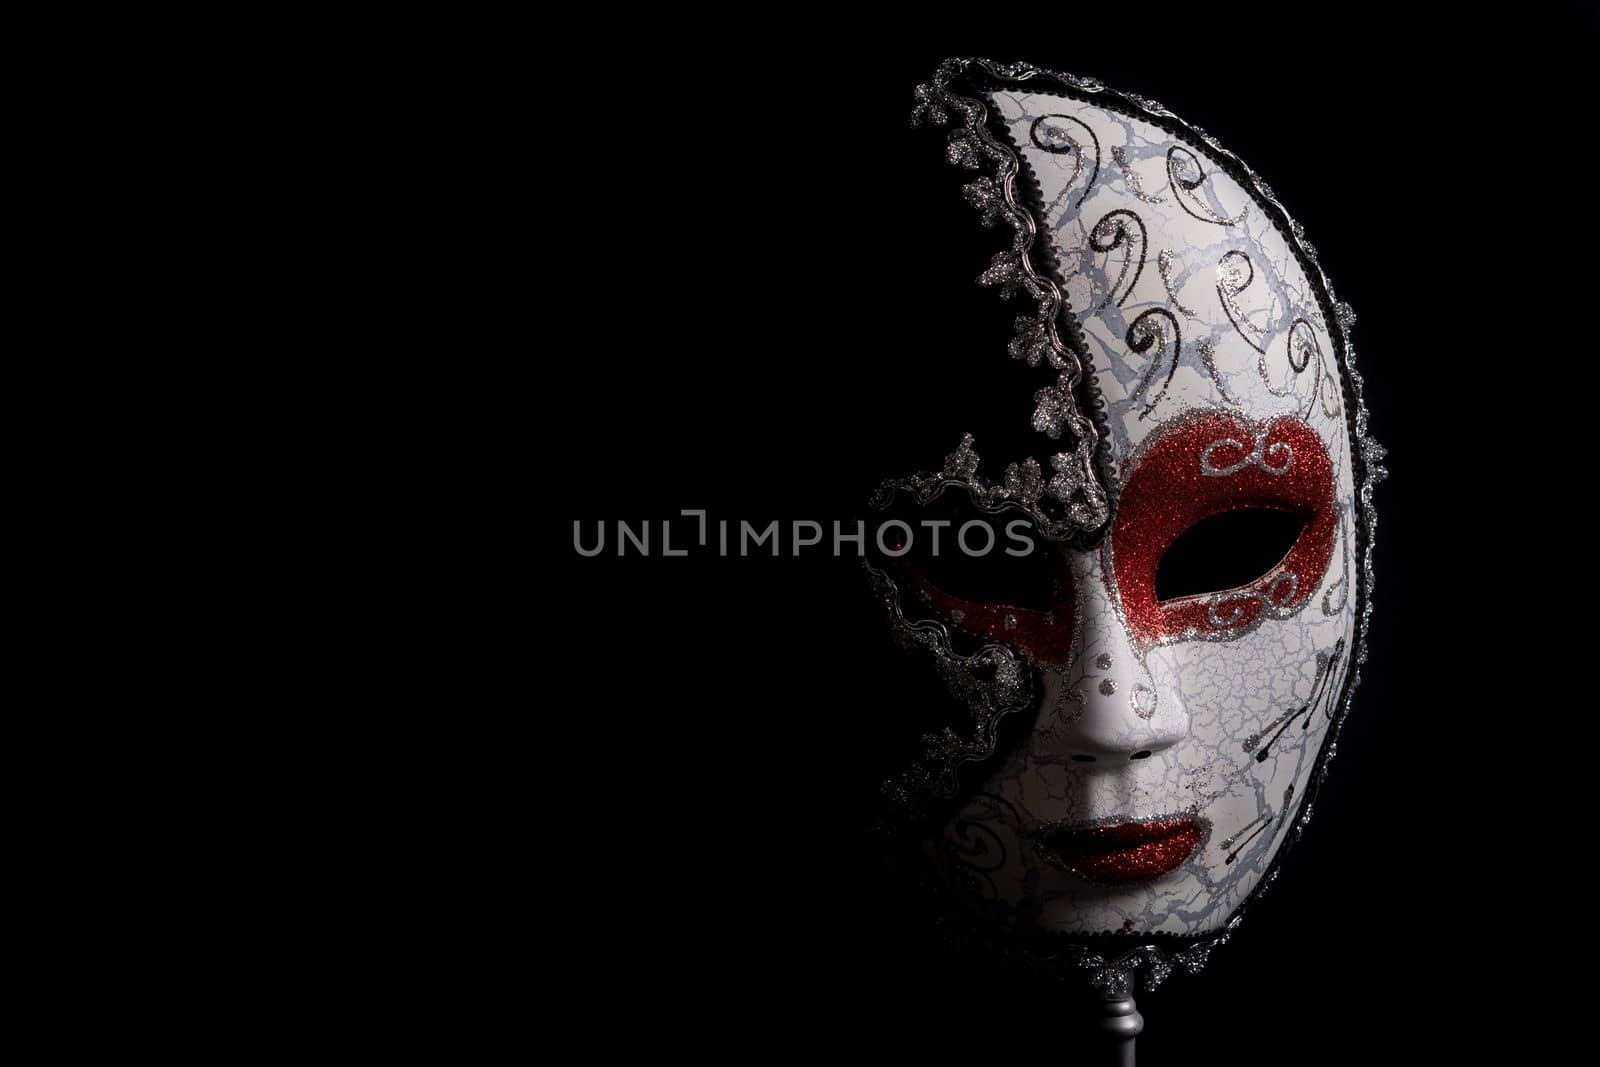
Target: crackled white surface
(1212,695)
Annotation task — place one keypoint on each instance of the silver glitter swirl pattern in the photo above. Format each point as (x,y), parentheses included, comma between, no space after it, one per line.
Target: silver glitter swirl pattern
(1120,154)
(1164,265)
(1258,453)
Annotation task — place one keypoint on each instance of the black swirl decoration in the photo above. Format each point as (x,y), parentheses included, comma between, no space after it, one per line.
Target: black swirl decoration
(1240,285)
(1304,352)
(1063,144)
(1303,341)
(1185,186)
(1229,285)
(977,846)
(1111,232)
(1149,331)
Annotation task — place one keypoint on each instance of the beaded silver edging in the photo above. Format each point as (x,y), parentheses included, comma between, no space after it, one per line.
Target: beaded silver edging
(1077,503)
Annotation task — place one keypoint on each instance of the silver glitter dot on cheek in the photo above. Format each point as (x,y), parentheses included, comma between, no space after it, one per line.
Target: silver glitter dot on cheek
(1108,687)
(1103,661)
(1009,622)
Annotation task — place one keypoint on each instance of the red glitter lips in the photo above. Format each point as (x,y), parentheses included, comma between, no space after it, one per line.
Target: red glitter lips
(1124,854)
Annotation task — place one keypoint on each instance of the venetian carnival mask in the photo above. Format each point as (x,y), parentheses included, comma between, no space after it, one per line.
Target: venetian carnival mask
(1197,402)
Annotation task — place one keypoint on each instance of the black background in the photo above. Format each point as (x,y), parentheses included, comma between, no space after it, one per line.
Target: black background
(763,282)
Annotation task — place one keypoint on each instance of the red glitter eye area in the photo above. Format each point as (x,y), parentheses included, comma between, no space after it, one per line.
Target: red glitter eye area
(1043,635)
(1201,466)
(1024,601)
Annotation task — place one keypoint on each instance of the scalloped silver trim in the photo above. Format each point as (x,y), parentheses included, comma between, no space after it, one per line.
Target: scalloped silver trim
(1079,486)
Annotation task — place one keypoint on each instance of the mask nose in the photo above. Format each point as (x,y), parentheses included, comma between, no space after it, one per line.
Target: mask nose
(1112,704)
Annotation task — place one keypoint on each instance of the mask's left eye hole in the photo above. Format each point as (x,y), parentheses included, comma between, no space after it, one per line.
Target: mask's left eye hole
(1226,551)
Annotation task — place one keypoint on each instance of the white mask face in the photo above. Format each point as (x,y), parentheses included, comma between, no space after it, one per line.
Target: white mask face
(1179,711)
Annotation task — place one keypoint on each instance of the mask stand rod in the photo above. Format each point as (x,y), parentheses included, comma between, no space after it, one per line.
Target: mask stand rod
(1121,1022)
